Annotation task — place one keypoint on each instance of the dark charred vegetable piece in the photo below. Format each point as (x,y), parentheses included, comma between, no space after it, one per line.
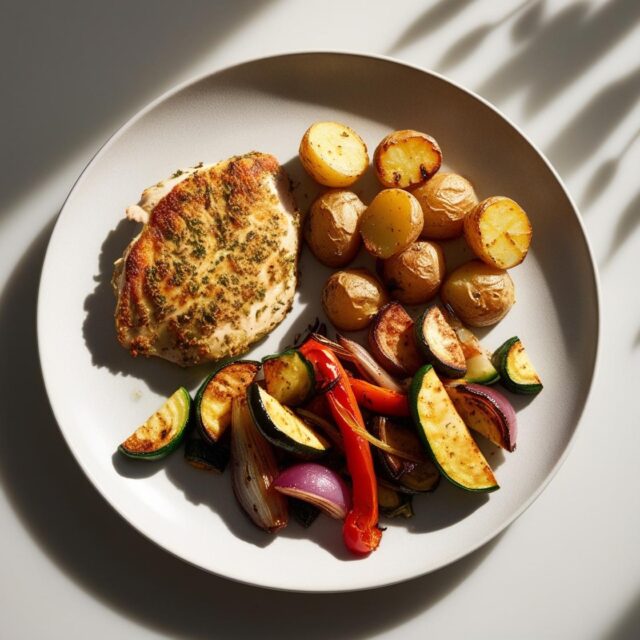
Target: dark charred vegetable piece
(516,371)
(486,411)
(392,341)
(282,427)
(407,475)
(303,512)
(162,432)
(393,504)
(446,436)
(203,455)
(440,343)
(360,532)
(213,400)
(254,469)
(288,377)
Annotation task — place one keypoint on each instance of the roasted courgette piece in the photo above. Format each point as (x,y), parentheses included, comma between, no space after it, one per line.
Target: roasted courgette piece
(440,343)
(282,427)
(289,377)
(393,504)
(206,456)
(446,436)
(516,371)
(162,432)
(213,400)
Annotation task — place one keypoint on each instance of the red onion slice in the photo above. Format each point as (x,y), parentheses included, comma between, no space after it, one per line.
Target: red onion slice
(318,485)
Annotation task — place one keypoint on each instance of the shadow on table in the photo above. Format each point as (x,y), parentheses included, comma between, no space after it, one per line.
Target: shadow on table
(89,542)
(628,626)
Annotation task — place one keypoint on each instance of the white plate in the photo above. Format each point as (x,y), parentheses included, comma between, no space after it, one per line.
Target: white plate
(99,393)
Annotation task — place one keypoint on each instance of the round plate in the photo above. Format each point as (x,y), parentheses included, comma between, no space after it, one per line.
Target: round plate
(100,394)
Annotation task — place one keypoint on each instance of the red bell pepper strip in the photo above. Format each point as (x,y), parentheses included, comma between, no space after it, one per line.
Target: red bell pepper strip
(360,531)
(378,399)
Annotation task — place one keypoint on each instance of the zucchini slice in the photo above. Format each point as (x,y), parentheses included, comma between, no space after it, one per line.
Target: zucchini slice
(289,377)
(446,436)
(407,476)
(213,400)
(516,371)
(282,427)
(480,370)
(203,455)
(440,343)
(162,432)
(393,504)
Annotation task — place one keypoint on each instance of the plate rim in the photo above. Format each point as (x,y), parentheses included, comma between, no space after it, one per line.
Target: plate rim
(594,274)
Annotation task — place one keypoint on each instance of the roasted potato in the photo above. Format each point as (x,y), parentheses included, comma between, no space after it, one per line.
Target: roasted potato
(406,158)
(331,229)
(333,154)
(351,298)
(445,200)
(391,222)
(480,295)
(498,232)
(392,341)
(414,275)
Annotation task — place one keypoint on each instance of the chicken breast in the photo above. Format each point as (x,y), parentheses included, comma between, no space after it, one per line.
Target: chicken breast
(215,266)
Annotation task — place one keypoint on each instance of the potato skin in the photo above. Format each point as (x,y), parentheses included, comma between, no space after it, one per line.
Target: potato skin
(406,158)
(351,298)
(332,227)
(333,154)
(480,294)
(414,275)
(445,200)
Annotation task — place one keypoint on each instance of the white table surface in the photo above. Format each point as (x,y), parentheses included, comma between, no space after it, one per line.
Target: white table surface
(566,72)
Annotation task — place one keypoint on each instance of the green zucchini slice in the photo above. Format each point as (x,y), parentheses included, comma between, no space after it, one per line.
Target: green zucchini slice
(480,370)
(516,371)
(203,455)
(440,343)
(213,400)
(282,427)
(289,377)
(446,436)
(393,504)
(162,432)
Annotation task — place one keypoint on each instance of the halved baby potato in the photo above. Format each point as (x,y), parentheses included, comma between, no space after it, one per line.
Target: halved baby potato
(498,232)
(333,154)
(331,229)
(391,223)
(406,158)
(445,200)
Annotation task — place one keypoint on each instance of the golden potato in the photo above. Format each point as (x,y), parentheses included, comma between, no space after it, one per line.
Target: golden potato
(445,200)
(333,154)
(391,222)
(406,158)
(331,229)
(351,298)
(498,232)
(414,275)
(480,295)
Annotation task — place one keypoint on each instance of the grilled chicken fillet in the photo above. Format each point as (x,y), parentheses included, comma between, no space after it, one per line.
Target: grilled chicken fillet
(214,268)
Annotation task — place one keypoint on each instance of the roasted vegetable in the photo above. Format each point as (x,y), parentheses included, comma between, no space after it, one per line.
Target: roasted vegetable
(254,469)
(479,294)
(407,475)
(282,427)
(445,200)
(288,377)
(406,158)
(213,400)
(333,154)
(446,436)
(440,343)
(486,411)
(162,432)
(378,399)
(516,371)
(391,223)
(332,227)
(499,232)
(204,455)
(393,504)
(414,275)
(392,341)
(351,298)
